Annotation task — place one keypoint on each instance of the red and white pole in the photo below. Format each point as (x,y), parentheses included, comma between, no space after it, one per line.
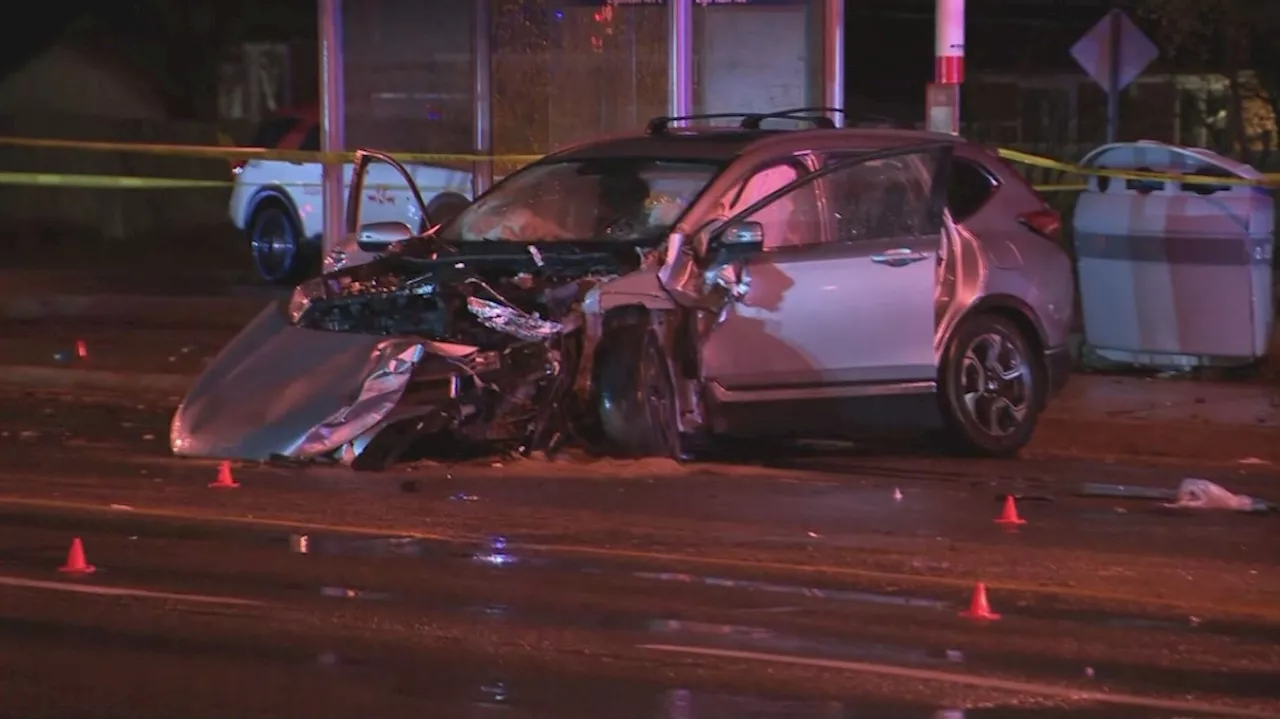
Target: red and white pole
(949,42)
(942,98)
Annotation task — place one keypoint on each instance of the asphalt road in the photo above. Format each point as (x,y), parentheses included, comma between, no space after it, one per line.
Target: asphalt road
(800,587)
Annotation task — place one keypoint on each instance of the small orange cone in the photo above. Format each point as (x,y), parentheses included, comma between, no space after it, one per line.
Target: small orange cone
(979,608)
(82,349)
(75,560)
(1009,517)
(225,480)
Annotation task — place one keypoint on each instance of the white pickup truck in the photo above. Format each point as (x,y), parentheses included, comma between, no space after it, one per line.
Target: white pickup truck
(280,205)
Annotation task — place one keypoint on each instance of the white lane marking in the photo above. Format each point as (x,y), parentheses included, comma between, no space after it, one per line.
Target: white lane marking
(122,591)
(1044,690)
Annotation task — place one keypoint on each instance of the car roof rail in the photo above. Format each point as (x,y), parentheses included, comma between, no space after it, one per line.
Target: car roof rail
(815,115)
(751,120)
(659,125)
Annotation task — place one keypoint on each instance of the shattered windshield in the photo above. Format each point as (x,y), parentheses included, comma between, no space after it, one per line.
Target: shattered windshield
(629,200)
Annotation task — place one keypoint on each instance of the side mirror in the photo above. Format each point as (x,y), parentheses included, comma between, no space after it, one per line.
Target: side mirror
(378,236)
(737,234)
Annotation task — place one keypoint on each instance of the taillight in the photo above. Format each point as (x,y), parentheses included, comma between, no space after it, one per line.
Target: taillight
(1047,223)
(237,167)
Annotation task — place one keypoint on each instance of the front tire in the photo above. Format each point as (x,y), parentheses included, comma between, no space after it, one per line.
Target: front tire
(991,384)
(634,395)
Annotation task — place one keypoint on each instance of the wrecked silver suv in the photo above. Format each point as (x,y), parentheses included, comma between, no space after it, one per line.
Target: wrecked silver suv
(650,294)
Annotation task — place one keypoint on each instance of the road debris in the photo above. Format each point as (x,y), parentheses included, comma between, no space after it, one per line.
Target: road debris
(1192,493)
(1196,493)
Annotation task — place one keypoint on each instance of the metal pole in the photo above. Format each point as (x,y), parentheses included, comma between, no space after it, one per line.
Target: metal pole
(482,96)
(833,57)
(332,119)
(949,52)
(679,57)
(1113,77)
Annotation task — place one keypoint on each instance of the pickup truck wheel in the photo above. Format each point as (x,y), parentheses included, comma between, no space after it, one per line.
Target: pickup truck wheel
(279,252)
(445,206)
(990,385)
(635,399)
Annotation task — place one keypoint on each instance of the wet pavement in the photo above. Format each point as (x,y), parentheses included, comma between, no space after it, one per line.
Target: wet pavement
(112,348)
(826,585)
(233,279)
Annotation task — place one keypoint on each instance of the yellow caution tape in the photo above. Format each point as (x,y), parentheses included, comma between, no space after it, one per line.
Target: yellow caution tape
(121,182)
(216,152)
(300,156)
(127,182)
(1023,158)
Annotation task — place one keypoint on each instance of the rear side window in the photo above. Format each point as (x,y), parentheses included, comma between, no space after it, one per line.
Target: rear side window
(971,187)
(273,130)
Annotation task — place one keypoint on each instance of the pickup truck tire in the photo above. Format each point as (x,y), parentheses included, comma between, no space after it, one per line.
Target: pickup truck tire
(281,254)
(445,206)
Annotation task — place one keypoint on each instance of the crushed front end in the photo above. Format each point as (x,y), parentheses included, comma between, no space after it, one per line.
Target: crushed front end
(474,348)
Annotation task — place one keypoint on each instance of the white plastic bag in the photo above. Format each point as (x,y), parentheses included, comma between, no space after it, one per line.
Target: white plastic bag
(1202,494)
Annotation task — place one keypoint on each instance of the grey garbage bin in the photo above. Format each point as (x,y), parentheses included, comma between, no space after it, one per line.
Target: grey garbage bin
(1174,274)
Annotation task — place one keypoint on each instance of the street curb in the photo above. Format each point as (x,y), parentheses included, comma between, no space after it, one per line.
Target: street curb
(220,312)
(24,377)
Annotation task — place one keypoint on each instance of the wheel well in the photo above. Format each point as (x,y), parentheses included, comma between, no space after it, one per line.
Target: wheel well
(1031,332)
(624,315)
(268,199)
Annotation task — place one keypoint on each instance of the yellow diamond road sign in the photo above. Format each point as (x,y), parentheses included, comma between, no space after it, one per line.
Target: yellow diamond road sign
(1135,51)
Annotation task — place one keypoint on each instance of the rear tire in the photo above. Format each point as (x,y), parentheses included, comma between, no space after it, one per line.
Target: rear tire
(280,254)
(447,205)
(634,397)
(991,384)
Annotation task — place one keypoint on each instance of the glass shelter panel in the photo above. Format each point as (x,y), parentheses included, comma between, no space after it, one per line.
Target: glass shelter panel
(562,70)
(408,71)
(757,55)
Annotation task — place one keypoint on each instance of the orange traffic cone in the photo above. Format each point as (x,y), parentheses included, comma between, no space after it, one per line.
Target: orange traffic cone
(1009,517)
(75,560)
(979,608)
(225,480)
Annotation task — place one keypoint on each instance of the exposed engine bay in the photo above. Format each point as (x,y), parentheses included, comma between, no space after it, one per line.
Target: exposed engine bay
(485,345)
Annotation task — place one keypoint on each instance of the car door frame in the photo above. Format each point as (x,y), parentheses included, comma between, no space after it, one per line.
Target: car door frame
(892,403)
(355,191)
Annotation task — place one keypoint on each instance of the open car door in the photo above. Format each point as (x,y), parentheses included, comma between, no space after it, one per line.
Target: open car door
(384,207)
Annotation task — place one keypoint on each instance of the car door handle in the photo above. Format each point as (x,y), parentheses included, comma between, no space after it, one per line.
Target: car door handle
(899,258)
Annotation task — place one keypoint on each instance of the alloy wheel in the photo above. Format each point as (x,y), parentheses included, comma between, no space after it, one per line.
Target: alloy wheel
(274,246)
(995,384)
